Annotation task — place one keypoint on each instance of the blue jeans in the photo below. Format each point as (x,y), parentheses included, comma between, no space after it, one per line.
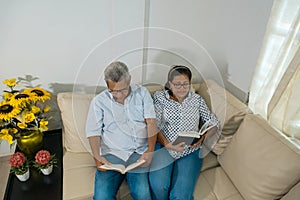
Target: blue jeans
(174,179)
(107,183)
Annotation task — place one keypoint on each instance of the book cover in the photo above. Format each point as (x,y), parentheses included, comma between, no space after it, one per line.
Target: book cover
(121,168)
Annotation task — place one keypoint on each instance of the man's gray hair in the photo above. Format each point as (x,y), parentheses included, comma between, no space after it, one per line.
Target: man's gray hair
(116,71)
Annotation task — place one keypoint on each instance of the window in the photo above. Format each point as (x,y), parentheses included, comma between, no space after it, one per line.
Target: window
(273,92)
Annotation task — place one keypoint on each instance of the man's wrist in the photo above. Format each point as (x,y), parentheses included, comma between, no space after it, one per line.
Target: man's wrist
(151,148)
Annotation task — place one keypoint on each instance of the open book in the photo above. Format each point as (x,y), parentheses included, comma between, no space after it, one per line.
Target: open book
(121,168)
(191,137)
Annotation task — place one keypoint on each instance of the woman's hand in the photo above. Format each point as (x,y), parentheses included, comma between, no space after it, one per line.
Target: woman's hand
(178,147)
(199,141)
(147,156)
(207,134)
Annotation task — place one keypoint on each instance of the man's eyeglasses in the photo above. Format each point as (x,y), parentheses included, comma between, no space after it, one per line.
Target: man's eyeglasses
(179,85)
(125,90)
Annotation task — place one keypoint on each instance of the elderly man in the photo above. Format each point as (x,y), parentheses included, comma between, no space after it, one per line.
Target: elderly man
(121,130)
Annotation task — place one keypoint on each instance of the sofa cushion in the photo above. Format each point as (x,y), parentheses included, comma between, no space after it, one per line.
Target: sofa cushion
(74,108)
(209,161)
(78,168)
(228,109)
(261,162)
(153,87)
(214,184)
(294,193)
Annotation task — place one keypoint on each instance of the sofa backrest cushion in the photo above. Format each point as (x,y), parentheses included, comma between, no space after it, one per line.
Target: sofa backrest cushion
(261,162)
(74,108)
(228,109)
(153,87)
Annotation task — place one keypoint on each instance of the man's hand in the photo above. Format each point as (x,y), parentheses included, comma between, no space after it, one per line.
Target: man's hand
(101,161)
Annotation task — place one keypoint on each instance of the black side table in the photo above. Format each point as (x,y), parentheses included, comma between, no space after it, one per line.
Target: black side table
(39,186)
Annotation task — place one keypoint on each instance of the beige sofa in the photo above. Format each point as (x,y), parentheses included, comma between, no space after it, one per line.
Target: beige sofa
(250,161)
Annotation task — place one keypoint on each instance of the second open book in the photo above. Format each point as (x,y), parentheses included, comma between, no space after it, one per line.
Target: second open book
(191,137)
(121,168)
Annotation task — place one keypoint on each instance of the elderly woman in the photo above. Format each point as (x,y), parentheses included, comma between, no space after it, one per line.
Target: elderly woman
(176,167)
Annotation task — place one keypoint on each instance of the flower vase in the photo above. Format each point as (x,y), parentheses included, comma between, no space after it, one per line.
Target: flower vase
(23,177)
(30,142)
(48,170)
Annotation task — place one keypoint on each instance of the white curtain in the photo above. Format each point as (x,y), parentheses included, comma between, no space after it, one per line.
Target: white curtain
(275,89)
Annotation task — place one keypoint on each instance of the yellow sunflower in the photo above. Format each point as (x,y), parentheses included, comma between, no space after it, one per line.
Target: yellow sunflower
(4,135)
(39,94)
(43,125)
(7,137)
(29,117)
(35,109)
(15,131)
(10,82)
(7,95)
(47,108)
(21,99)
(5,131)
(22,125)
(7,110)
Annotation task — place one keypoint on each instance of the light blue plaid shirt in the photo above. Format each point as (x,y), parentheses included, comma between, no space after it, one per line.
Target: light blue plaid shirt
(122,127)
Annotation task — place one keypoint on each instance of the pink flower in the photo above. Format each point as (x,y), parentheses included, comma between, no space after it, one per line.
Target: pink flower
(42,157)
(17,159)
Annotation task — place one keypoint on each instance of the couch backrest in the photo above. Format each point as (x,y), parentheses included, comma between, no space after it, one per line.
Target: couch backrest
(74,108)
(228,109)
(261,162)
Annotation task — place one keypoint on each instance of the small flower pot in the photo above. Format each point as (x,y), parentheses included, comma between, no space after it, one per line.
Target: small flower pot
(24,177)
(48,170)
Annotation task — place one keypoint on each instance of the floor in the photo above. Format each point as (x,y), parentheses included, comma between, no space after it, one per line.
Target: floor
(4,173)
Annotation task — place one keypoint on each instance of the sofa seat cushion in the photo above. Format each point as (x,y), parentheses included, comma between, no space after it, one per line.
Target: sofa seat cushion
(214,184)
(78,176)
(294,193)
(261,162)
(210,161)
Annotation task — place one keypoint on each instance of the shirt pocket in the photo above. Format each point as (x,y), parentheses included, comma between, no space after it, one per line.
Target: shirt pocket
(137,112)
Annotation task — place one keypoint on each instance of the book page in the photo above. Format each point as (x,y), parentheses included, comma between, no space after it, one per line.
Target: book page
(189,134)
(206,127)
(191,137)
(134,165)
(121,168)
(116,167)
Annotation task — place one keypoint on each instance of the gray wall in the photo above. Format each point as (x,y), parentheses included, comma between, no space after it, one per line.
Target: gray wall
(69,42)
